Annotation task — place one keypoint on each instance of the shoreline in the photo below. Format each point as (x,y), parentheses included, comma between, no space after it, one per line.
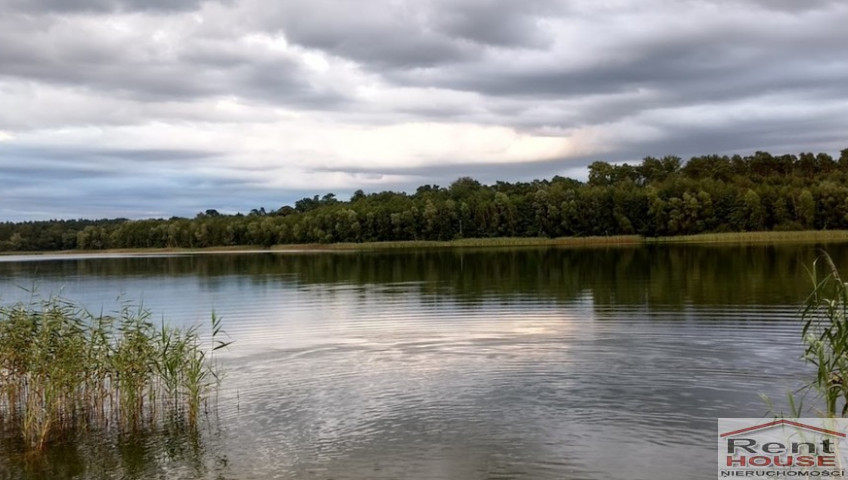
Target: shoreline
(801,237)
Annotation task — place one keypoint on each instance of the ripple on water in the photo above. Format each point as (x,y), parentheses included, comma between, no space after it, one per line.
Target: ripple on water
(551,380)
(419,379)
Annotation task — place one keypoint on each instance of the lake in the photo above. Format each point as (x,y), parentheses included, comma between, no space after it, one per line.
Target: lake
(537,363)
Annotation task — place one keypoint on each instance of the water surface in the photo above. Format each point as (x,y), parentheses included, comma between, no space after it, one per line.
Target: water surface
(541,363)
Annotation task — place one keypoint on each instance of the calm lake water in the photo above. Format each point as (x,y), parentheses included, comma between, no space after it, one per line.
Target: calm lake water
(546,363)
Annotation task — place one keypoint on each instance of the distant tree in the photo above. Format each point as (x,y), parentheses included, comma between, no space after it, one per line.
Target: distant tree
(208,213)
(843,159)
(284,211)
(357,196)
(806,209)
(463,187)
(601,174)
(306,204)
(329,199)
(753,214)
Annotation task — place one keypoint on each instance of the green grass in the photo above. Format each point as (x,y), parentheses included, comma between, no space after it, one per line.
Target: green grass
(809,236)
(806,236)
(63,369)
(470,243)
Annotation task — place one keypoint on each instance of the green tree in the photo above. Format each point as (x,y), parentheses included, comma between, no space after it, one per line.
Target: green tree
(806,209)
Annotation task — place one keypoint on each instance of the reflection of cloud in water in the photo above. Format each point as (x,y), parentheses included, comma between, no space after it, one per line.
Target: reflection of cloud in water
(403,385)
(527,363)
(320,318)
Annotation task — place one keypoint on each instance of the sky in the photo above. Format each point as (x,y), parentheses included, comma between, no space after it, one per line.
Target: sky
(157,108)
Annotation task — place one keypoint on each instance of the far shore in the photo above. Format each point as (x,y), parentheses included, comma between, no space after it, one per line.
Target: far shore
(801,237)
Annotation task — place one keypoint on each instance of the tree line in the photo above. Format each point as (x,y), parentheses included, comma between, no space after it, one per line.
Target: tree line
(658,197)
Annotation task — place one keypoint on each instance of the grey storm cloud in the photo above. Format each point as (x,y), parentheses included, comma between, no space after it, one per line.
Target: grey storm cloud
(86,6)
(728,60)
(55,51)
(789,5)
(409,35)
(498,23)
(372,33)
(222,96)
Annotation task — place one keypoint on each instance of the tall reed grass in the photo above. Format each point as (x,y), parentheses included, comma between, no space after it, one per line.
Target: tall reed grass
(825,335)
(470,242)
(809,236)
(806,236)
(63,368)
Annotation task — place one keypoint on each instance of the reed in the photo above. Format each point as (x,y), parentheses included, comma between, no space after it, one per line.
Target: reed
(744,238)
(808,236)
(63,368)
(825,336)
(471,242)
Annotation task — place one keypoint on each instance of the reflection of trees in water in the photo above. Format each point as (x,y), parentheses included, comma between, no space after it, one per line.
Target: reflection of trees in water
(174,451)
(648,275)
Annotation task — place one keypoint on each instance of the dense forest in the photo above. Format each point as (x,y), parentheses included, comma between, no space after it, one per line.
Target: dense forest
(659,197)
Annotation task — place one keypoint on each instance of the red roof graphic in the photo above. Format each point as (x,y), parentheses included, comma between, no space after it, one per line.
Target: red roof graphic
(783,422)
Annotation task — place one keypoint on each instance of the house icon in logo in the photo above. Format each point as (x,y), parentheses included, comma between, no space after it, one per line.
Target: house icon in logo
(780,422)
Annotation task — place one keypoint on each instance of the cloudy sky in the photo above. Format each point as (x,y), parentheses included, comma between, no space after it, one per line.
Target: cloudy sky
(153,108)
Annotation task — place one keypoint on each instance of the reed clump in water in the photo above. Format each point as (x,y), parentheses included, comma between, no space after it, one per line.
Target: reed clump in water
(825,334)
(63,369)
